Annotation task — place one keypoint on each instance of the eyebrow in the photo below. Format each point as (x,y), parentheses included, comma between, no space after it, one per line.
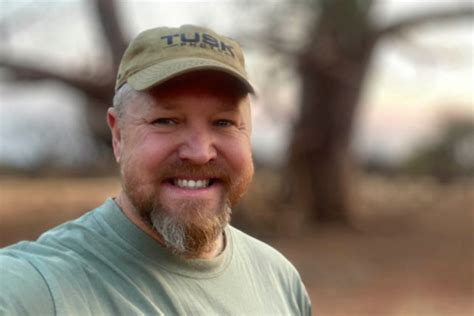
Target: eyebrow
(165,105)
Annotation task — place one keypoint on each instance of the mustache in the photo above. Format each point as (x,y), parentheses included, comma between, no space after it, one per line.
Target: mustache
(186,169)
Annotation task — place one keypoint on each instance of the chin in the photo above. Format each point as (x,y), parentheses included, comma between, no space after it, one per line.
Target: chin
(191,229)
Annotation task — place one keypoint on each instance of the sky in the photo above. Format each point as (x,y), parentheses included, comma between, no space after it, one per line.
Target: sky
(412,88)
(415,79)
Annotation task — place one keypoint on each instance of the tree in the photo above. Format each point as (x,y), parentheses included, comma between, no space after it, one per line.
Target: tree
(332,67)
(98,88)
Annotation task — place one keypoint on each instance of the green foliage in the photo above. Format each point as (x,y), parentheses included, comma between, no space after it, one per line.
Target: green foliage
(451,156)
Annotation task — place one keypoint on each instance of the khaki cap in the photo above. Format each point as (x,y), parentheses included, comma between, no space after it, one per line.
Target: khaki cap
(162,53)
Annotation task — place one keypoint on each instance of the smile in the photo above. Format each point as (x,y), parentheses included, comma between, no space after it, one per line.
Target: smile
(192,184)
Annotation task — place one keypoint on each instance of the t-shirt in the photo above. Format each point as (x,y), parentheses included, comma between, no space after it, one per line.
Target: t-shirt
(103,264)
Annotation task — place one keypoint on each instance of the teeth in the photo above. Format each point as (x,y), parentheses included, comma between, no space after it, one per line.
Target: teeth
(191,184)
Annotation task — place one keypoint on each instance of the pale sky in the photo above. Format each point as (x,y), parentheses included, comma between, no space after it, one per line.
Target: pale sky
(412,82)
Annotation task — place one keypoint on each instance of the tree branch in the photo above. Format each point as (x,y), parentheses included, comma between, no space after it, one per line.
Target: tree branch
(91,88)
(425,18)
(107,17)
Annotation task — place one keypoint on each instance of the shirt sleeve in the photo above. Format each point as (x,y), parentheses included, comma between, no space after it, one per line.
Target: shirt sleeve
(306,308)
(23,291)
(302,297)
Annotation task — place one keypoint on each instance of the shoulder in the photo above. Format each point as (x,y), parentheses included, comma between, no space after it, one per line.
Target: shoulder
(24,290)
(75,238)
(265,256)
(62,248)
(257,248)
(39,271)
(35,275)
(270,263)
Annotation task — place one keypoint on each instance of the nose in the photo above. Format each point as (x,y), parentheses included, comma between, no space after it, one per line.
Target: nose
(197,147)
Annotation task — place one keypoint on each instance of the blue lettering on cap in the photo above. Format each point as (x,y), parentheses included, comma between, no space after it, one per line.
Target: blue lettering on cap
(228,48)
(210,40)
(169,38)
(204,41)
(184,39)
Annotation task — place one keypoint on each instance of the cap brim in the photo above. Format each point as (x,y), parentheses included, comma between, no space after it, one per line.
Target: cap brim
(159,73)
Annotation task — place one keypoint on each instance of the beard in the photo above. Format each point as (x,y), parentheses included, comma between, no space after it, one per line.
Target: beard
(188,227)
(190,236)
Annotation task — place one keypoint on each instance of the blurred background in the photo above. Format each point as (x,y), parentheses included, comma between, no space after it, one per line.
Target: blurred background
(363,135)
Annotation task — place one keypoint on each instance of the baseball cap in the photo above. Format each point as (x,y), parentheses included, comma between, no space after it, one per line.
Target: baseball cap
(163,53)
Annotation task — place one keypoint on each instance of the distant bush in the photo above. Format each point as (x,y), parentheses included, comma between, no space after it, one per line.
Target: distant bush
(450,156)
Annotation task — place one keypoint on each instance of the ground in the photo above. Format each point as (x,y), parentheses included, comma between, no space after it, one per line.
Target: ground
(409,251)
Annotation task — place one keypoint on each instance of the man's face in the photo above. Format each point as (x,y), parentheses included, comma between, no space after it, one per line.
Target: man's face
(185,157)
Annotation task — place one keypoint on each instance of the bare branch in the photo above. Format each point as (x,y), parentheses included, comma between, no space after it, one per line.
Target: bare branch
(274,44)
(91,88)
(107,16)
(425,18)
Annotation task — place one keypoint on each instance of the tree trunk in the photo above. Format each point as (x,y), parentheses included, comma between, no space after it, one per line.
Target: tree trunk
(332,69)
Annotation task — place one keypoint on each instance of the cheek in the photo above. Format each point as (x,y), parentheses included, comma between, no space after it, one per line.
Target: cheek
(146,155)
(238,155)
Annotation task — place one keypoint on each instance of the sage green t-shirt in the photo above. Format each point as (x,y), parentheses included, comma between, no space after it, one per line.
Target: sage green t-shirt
(102,264)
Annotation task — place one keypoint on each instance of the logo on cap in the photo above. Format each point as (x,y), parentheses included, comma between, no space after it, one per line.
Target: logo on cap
(202,40)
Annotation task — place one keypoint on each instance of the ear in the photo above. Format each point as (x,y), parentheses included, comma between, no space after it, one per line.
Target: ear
(114,124)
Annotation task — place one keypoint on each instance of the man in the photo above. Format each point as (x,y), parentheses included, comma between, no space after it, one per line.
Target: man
(181,134)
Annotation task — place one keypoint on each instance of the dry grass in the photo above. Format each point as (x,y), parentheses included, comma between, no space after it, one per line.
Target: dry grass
(29,207)
(411,254)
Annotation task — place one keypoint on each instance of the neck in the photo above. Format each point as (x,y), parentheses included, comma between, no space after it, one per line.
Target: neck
(132,214)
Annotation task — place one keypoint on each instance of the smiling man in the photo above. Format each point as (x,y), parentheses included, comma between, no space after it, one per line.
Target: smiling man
(181,131)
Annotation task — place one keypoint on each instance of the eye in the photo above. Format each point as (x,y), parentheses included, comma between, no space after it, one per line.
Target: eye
(165,121)
(224,123)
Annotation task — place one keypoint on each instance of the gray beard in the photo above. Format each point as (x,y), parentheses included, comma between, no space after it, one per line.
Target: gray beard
(193,235)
